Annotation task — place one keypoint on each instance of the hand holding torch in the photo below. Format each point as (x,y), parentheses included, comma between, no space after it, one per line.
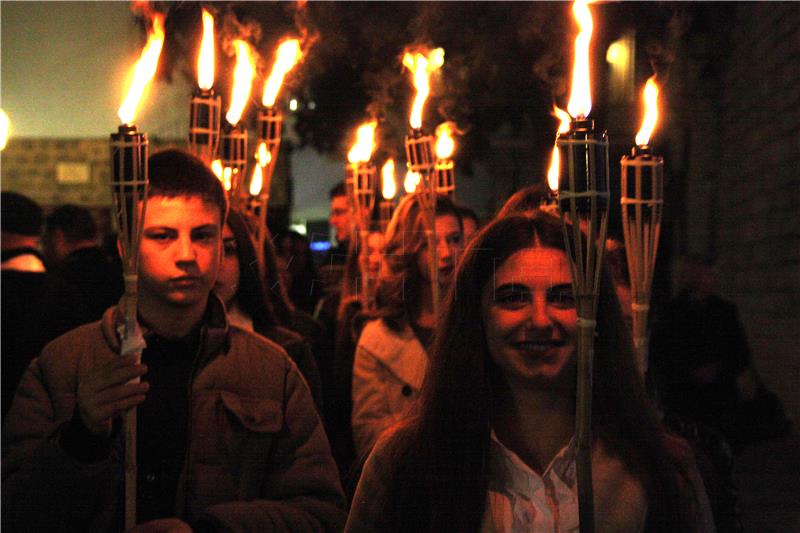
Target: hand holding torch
(129,184)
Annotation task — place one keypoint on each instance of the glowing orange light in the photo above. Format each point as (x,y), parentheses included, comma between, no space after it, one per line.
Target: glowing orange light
(555,158)
(287,57)
(580,98)
(445,144)
(257,181)
(650,112)
(5,127)
(361,152)
(205,59)
(411,181)
(144,70)
(388,186)
(216,168)
(227,173)
(421,67)
(263,156)
(242,82)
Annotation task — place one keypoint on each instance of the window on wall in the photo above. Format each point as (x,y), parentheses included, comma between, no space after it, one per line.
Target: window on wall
(621,60)
(73,173)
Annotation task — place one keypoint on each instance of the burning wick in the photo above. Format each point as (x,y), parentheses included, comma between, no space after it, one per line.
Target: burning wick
(286,58)
(555,166)
(361,152)
(651,113)
(445,144)
(205,59)
(411,181)
(144,71)
(421,67)
(256,181)
(242,82)
(388,185)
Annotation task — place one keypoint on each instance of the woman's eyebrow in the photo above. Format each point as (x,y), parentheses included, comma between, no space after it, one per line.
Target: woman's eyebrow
(511,287)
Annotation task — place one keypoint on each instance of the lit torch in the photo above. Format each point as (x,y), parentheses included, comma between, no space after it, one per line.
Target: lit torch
(234,136)
(360,185)
(642,199)
(419,151)
(444,169)
(270,123)
(206,106)
(583,206)
(129,184)
(388,193)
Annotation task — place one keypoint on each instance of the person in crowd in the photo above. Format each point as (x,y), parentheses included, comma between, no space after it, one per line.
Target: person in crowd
(490,446)
(470,221)
(72,250)
(228,436)
(36,306)
(240,288)
(527,200)
(363,263)
(703,365)
(302,280)
(341,221)
(391,355)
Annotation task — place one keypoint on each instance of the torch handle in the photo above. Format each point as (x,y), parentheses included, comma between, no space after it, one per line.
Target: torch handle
(640,334)
(131,327)
(583,424)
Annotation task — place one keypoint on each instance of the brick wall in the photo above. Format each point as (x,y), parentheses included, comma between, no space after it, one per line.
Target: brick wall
(735,136)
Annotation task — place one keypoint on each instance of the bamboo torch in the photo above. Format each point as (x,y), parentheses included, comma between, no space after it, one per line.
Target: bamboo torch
(205,107)
(233,144)
(420,154)
(270,123)
(388,194)
(583,207)
(444,169)
(642,201)
(129,152)
(360,176)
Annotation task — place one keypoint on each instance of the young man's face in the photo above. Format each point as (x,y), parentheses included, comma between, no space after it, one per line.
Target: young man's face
(180,250)
(340,217)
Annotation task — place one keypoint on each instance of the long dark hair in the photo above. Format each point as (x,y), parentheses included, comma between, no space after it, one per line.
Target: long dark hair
(250,294)
(400,282)
(439,474)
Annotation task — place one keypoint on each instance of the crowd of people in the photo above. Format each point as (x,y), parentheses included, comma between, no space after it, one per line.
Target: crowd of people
(390,387)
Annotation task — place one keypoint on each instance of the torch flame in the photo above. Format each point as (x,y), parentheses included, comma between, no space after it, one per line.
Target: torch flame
(216,168)
(421,67)
(580,99)
(361,152)
(388,186)
(287,57)
(5,126)
(242,82)
(144,70)
(205,59)
(445,145)
(227,173)
(257,181)
(555,158)
(411,181)
(263,156)
(650,112)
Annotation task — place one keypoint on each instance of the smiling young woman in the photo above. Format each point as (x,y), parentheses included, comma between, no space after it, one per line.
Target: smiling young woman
(490,444)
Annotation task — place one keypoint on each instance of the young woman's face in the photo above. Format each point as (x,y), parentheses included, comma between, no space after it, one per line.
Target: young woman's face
(448,245)
(228,278)
(529,318)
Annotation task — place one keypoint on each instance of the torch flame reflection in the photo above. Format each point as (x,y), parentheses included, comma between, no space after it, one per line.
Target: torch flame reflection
(421,67)
(445,145)
(361,152)
(205,59)
(256,182)
(287,57)
(411,181)
(580,98)
(5,126)
(242,82)
(144,70)
(388,186)
(555,158)
(650,112)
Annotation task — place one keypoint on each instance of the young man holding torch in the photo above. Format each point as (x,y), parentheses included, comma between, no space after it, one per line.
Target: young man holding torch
(228,438)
